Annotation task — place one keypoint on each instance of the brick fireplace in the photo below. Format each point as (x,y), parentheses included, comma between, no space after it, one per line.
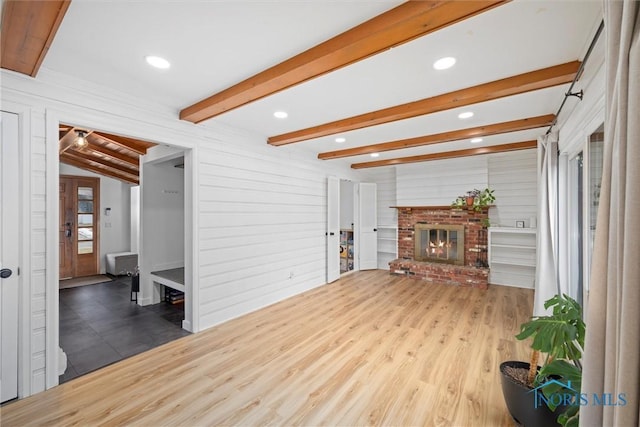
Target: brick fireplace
(471,269)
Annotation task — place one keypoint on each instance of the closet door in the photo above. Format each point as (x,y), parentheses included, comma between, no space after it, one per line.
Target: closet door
(333,229)
(368,226)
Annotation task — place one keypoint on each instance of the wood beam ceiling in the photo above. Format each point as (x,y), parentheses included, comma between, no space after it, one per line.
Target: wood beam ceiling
(28,29)
(131,144)
(101,170)
(448,155)
(100,156)
(133,161)
(88,156)
(404,23)
(522,83)
(494,129)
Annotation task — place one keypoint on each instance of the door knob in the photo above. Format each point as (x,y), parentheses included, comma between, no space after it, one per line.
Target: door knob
(5,273)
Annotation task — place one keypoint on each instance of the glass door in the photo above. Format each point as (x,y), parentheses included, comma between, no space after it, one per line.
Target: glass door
(593,178)
(576,252)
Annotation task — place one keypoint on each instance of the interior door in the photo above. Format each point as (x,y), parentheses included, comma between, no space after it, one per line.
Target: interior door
(368,226)
(79,231)
(9,250)
(333,229)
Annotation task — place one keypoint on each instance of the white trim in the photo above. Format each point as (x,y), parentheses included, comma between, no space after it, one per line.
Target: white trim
(52,256)
(24,308)
(192,313)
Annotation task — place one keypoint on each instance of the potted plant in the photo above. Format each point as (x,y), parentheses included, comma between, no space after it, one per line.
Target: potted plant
(471,197)
(475,199)
(548,395)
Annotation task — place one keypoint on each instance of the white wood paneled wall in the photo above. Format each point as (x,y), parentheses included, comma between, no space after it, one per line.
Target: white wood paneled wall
(262,229)
(513,178)
(439,182)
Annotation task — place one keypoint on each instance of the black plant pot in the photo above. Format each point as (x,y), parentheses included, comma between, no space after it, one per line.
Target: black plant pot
(520,401)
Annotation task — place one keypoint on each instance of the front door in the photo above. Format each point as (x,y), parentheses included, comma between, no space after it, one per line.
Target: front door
(9,254)
(78,230)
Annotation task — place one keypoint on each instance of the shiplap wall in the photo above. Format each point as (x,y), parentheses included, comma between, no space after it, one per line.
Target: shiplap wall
(262,228)
(439,182)
(34,278)
(513,178)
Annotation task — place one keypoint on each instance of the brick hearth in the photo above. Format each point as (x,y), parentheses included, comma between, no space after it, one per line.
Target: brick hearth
(475,242)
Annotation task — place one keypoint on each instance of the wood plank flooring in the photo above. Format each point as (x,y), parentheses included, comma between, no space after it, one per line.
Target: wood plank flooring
(369,349)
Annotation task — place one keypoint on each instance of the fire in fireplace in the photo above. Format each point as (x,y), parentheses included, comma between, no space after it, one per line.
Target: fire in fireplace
(439,243)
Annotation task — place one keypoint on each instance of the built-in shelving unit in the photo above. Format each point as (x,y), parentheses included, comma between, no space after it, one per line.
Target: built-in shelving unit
(512,256)
(346,250)
(387,245)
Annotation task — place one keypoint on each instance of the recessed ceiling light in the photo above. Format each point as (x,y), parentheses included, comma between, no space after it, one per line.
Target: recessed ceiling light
(476,140)
(444,63)
(157,62)
(465,115)
(375,154)
(340,139)
(280,114)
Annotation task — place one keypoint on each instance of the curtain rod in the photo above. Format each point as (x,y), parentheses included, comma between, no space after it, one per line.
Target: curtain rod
(578,74)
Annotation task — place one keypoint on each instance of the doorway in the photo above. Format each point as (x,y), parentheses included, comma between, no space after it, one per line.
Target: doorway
(352,243)
(79,235)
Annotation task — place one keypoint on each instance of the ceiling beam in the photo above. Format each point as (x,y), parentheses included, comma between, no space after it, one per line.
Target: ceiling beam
(448,155)
(67,140)
(399,25)
(70,160)
(116,155)
(28,29)
(136,145)
(80,155)
(522,83)
(494,129)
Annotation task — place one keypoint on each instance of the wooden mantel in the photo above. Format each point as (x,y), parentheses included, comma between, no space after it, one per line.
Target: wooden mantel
(435,208)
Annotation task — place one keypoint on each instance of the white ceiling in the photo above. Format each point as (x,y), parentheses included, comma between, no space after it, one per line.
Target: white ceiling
(215,44)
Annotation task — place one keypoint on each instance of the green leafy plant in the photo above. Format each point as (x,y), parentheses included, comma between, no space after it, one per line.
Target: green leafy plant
(481,199)
(560,336)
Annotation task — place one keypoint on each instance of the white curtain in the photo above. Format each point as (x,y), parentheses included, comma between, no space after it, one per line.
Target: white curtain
(547,249)
(612,347)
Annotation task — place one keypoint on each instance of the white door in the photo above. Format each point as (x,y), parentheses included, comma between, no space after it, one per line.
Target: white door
(9,247)
(333,229)
(368,226)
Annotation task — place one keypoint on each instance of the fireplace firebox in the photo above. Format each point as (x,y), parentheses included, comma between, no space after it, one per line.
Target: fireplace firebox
(439,243)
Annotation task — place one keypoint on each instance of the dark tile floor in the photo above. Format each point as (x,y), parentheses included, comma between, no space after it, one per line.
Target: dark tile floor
(99,325)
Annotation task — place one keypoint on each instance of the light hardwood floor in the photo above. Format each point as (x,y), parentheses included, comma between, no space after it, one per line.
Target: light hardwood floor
(369,349)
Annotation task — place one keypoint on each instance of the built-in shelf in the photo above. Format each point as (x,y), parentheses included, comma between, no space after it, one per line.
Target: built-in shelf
(387,245)
(346,250)
(512,256)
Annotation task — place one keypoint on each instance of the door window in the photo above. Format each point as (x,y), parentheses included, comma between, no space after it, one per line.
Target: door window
(85,220)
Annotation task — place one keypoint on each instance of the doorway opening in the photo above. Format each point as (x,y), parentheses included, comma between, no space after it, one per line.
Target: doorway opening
(105,321)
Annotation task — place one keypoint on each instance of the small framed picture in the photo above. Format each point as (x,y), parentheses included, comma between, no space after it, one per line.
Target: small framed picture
(519,224)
